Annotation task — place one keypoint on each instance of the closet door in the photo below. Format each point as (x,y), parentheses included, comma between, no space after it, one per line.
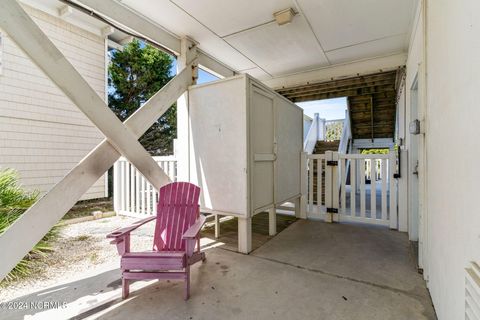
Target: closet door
(262,147)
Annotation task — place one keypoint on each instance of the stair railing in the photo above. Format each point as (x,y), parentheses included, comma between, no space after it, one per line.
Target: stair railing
(312,136)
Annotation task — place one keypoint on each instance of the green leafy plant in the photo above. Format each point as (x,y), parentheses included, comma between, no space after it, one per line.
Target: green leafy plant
(375,151)
(14,201)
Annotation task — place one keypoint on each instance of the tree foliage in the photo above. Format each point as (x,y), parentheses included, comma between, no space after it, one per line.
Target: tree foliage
(334,130)
(135,75)
(375,151)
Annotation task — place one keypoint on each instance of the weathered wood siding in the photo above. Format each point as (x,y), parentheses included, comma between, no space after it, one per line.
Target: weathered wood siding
(43,134)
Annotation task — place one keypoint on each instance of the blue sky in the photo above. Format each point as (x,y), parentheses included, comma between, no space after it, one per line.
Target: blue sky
(203,76)
(330,109)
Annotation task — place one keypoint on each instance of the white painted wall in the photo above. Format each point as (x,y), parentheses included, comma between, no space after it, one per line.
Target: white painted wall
(453,82)
(43,135)
(413,72)
(449,95)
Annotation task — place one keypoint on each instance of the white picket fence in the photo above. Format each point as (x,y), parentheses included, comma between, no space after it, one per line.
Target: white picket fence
(357,201)
(133,195)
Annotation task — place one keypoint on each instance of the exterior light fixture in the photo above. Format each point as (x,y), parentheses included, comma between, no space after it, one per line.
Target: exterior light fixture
(284,16)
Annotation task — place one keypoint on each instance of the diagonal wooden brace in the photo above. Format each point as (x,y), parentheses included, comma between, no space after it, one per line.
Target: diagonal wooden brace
(30,228)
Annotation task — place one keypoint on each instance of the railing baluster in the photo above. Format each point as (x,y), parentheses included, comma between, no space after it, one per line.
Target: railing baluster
(310,185)
(122,185)
(393,192)
(143,195)
(373,189)
(127,186)
(319,186)
(362,187)
(171,171)
(343,179)
(132,188)
(384,188)
(137,191)
(353,187)
(148,195)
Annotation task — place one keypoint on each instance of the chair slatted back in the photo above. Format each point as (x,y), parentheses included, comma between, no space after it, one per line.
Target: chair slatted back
(177,210)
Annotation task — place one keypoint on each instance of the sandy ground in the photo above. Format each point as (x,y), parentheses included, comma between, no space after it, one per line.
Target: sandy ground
(81,248)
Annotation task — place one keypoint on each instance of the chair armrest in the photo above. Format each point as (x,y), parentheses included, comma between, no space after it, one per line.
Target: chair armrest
(194,229)
(122,232)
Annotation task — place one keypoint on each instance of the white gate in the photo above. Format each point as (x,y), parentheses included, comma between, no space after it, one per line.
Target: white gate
(133,195)
(353,187)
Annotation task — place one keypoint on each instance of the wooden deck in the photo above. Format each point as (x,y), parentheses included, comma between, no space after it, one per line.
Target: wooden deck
(229,226)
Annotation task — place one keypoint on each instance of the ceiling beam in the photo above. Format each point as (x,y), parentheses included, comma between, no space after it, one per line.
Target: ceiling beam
(341,93)
(339,71)
(120,14)
(365,80)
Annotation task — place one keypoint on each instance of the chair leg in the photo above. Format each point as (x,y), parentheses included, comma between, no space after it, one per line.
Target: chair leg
(125,288)
(187,283)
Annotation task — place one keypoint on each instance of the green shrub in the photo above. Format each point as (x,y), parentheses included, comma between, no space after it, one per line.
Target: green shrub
(14,201)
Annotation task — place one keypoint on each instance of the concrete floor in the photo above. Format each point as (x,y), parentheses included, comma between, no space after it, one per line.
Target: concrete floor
(311,270)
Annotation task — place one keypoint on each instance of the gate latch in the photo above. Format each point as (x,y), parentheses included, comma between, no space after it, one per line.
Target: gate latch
(332,163)
(332,210)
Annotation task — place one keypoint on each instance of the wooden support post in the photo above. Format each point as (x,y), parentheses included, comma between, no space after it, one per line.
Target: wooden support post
(188,52)
(403,192)
(300,212)
(116,188)
(39,219)
(328,185)
(335,187)
(244,235)
(217,225)
(393,192)
(272,221)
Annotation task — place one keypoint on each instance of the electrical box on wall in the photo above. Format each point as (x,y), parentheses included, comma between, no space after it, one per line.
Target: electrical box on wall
(414,127)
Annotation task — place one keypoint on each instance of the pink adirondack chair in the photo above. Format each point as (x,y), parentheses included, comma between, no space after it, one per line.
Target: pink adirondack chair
(177,229)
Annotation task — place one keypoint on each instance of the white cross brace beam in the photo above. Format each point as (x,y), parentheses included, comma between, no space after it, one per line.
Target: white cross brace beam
(20,237)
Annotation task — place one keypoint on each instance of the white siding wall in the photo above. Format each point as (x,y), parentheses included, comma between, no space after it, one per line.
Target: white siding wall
(452,149)
(453,153)
(43,135)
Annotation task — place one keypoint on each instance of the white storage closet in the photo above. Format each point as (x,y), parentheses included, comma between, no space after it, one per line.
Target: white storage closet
(245,145)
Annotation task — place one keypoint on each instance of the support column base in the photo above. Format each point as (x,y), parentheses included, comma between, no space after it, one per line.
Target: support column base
(244,235)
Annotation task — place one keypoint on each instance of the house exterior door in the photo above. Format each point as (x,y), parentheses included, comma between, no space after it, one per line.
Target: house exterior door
(262,128)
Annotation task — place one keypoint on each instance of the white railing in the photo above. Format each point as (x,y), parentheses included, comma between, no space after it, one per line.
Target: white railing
(312,136)
(374,203)
(346,135)
(378,169)
(133,195)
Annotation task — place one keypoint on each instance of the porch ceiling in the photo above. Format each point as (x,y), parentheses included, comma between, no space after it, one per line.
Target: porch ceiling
(371,101)
(244,35)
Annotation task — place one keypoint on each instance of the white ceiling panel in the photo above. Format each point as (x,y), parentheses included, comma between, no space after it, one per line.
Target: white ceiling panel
(239,34)
(227,17)
(369,49)
(257,73)
(281,49)
(169,16)
(342,23)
